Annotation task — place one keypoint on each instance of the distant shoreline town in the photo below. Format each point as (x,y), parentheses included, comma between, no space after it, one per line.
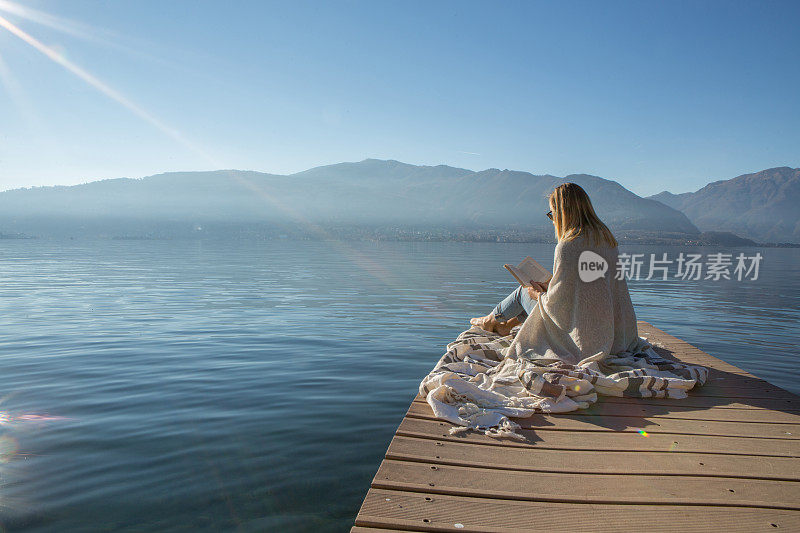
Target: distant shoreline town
(245,233)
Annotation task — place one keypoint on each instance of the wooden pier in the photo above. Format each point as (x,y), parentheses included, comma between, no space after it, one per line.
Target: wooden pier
(725,459)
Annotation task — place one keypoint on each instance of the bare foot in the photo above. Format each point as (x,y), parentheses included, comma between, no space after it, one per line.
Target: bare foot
(488,322)
(504,328)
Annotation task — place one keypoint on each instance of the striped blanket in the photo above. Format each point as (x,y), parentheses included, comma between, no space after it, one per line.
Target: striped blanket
(475,387)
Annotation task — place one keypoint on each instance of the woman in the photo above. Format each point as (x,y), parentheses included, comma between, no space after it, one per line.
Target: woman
(566,318)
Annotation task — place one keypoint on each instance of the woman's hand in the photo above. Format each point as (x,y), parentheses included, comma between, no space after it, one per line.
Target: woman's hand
(536,289)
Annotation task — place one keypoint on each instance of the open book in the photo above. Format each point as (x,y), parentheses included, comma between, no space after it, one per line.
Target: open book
(528,272)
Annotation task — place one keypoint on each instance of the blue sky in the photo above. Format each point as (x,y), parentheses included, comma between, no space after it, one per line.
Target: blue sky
(656,95)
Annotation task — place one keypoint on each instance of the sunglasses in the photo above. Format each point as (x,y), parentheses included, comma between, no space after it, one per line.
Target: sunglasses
(550,215)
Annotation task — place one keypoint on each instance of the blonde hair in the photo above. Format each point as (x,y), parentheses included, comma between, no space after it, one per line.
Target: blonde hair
(573,215)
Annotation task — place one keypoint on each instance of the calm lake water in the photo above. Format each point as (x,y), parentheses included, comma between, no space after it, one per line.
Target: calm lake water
(255,386)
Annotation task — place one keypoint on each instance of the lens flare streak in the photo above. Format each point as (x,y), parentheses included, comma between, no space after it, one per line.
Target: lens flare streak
(7,418)
(93,81)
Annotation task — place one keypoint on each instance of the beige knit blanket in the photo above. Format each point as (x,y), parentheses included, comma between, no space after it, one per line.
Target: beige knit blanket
(474,386)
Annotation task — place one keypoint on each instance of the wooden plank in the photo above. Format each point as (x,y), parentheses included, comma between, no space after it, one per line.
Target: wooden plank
(451,452)
(357,529)
(775,395)
(733,384)
(770,404)
(736,387)
(609,440)
(677,411)
(738,380)
(582,488)
(437,512)
(631,424)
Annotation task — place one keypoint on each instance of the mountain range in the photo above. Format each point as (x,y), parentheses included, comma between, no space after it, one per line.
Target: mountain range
(333,200)
(764,205)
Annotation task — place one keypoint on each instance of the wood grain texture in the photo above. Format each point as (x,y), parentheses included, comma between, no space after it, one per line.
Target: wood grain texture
(590,461)
(437,512)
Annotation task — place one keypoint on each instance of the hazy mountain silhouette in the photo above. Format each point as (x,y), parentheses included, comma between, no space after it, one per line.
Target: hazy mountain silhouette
(764,205)
(370,192)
